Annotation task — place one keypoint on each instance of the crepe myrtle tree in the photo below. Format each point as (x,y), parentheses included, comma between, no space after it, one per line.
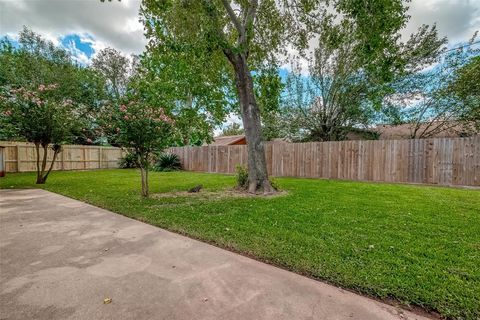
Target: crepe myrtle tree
(142,130)
(38,116)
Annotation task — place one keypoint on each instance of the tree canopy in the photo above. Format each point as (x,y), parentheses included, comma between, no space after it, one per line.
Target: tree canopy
(36,62)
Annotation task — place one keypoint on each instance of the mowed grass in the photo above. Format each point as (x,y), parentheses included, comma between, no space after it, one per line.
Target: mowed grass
(418,245)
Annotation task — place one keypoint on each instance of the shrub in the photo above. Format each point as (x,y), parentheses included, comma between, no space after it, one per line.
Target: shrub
(128,161)
(167,162)
(241,177)
(275,184)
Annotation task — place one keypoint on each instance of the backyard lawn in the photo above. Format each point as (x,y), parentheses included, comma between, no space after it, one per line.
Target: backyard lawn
(416,245)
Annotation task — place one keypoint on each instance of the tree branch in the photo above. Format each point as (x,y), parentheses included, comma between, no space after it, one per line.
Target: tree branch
(251,12)
(233,17)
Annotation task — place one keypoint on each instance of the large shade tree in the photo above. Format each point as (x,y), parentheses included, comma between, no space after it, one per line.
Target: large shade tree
(351,69)
(246,35)
(250,36)
(116,68)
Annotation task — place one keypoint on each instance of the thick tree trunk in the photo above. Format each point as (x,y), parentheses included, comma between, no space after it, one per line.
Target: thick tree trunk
(257,165)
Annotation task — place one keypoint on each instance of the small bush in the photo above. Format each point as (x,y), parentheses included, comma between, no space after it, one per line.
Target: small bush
(167,162)
(128,161)
(275,184)
(241,177)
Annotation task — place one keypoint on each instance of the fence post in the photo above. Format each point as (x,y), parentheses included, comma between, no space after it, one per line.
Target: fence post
(99,157)
(84,159)
(18,158)
(63,158)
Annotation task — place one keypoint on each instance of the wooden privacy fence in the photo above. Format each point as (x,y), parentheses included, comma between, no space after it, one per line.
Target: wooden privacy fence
(20,157)
(443,161)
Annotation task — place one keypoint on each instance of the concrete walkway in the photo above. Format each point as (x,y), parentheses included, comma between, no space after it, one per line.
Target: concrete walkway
(61,258)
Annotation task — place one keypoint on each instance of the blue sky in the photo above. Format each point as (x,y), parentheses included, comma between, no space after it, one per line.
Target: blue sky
(80,46)
(81,49)
(74,41)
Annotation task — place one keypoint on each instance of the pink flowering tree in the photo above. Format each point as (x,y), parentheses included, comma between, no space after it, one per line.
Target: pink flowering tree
(39,116)
(142,130)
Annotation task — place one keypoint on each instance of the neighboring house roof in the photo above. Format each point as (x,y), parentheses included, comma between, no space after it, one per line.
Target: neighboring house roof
(229,140)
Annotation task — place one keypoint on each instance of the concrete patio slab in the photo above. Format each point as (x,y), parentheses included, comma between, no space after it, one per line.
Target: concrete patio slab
(60,258)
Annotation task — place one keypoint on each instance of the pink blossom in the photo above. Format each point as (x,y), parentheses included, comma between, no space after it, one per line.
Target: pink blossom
(89,140)
(41,87)
(123,108)
(125,117)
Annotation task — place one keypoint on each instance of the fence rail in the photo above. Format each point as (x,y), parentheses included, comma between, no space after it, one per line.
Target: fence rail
(21,157)
(443,161)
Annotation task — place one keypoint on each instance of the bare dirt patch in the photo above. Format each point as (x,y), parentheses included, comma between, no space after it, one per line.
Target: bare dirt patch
(216,195)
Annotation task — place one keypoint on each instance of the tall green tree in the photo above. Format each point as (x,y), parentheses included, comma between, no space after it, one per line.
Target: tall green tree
(250,36)
(442,98)
(465,87)
(246,35)
(116,69)
(36,61)
(350,73)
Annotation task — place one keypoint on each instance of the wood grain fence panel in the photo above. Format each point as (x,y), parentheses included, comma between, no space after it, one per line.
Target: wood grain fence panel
(476,160)
(469,179)
(21,157)
(457,161)
(318,157)
(341,160)
(443,161)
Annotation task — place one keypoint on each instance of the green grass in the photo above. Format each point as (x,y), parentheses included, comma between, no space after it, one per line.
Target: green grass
(418,245)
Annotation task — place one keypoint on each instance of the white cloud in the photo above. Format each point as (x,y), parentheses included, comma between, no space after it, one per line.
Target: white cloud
(77,55)
(456,19)
(116,23)
(109,23)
